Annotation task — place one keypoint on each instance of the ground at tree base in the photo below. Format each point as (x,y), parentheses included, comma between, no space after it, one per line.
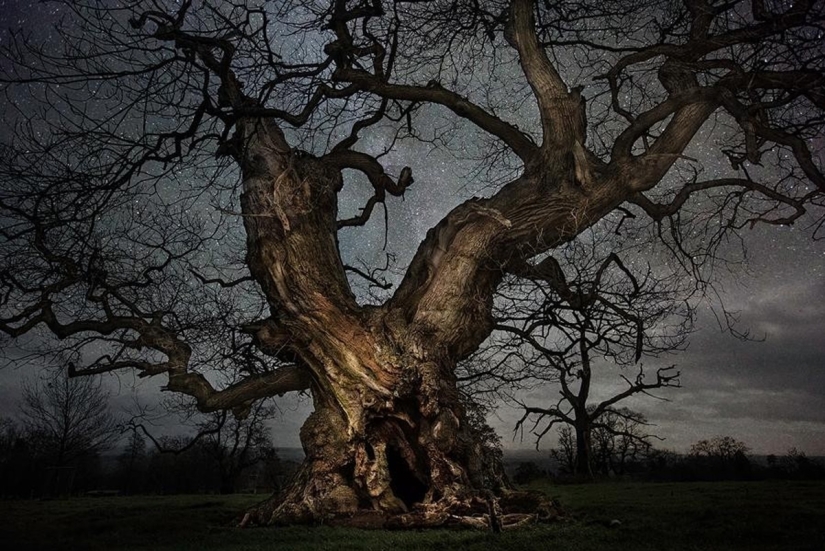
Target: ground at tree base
(480,510)
(761,516)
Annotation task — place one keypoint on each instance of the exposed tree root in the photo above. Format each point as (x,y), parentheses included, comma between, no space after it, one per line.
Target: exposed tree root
(481,511)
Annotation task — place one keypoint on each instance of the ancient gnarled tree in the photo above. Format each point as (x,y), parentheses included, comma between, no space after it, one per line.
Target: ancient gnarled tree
(145,143)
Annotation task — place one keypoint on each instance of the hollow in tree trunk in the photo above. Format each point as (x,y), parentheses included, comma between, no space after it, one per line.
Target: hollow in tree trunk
(405,460)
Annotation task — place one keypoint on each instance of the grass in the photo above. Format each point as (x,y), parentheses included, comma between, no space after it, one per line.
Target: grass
(770,515)
(688,516)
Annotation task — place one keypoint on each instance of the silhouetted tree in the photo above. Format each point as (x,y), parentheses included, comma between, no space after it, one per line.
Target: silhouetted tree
(236,445)
(487,443)
(565,452)
(132,465)
(17,461)
(136,116)
(795,464)
(723,448)
(228,449)
(67,423)
(587,323)
(618,440)
(721,457)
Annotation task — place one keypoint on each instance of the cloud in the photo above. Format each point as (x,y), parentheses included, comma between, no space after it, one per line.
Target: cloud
(745,404)
(770,393)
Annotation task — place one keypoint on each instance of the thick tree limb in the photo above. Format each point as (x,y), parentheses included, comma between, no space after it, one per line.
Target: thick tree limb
(381,182)
(279,382)
(559,112)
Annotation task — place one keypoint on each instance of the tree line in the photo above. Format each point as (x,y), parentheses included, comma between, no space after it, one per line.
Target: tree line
(616,456)
(67,441)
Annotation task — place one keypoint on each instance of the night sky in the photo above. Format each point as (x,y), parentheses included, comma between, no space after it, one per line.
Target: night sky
(768,392)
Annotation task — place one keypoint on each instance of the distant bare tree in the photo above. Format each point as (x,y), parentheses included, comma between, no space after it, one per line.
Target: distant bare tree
(237,445)
(796,464)
(720,457)
(723,448)
(231,445)
(589,319)
(66,419)
(565,452)
(618,440)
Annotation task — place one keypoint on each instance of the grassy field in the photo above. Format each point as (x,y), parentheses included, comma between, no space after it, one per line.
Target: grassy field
(751,515)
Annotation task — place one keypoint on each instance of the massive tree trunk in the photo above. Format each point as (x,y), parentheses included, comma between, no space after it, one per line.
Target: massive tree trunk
(391,455)
(388,434)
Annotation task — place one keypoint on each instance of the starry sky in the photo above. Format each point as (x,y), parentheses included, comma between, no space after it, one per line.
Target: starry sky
(768,391)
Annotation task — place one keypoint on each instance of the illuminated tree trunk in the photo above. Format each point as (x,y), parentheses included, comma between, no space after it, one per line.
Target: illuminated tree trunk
(371,456)
(388,436)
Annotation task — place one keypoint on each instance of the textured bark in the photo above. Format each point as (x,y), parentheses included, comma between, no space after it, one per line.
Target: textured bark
(388,438)
(388,442)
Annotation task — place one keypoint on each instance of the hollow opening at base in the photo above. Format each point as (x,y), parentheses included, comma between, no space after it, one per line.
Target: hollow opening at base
(404,483)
